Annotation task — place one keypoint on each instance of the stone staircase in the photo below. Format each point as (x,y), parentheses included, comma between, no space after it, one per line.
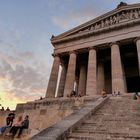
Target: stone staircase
(118,119)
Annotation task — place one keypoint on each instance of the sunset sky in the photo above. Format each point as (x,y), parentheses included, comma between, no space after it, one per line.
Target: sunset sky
(26,27)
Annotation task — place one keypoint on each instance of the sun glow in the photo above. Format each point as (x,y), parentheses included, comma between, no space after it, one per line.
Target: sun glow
(7,99)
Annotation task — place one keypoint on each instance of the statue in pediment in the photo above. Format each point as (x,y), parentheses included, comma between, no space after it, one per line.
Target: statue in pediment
(102,24)
(123,16)
(115,19)
(97,26)
(111,20)
(131,14)
(136,14)
(106,22)
(92,27)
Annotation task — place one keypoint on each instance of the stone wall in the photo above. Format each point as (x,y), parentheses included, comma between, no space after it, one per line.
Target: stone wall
(46,112)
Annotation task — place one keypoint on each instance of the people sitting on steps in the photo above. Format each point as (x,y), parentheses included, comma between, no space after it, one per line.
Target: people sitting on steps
(9,122)
(19,125)
(25,125)
(73,94)
(114,93)
(10,118)
(136,96)
(103,93)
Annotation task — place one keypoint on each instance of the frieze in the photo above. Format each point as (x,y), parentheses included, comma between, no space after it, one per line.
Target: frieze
(123,16)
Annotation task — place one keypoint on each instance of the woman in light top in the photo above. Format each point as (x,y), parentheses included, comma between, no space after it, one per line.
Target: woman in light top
(16,126)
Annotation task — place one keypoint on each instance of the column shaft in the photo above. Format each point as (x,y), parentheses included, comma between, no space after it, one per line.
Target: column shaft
(100,77)
(62,81)
(53,78)
(70,78)
(91,88)
(82,80)
(138,52)
(118,83)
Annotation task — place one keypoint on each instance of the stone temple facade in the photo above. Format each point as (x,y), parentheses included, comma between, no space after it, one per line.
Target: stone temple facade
(103,53)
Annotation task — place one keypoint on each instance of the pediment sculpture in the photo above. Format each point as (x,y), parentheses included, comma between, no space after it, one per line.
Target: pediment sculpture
(123,16)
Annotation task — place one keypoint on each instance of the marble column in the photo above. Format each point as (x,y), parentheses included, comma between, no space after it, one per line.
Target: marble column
(53,78)
(70,77)
(91,87)
(118,83)
(82,79)
(138,52)
(62,80)
(100,77)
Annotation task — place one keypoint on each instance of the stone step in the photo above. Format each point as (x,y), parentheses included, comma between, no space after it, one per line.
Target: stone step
(118,119)
(104,135)
(118,130)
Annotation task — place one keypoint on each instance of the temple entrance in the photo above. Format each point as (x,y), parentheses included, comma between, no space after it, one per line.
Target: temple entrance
(133,84)
(130,64)
(104,70)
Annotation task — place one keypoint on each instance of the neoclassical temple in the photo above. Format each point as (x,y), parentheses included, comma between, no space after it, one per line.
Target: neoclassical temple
(103,53)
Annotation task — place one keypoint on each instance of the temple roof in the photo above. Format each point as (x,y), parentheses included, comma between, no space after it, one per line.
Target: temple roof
(121,15)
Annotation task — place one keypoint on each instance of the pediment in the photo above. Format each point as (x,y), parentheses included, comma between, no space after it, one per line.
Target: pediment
(122,15)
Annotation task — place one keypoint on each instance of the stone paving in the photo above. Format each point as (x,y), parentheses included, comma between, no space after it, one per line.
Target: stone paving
(118,119)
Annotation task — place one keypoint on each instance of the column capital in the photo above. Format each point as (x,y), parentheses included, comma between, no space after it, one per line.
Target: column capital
(136,39)
(115,43)
(74,51)
(92,48)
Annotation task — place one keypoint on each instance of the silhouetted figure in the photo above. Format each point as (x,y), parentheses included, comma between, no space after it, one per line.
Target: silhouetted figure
(2,109)
(7,109)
